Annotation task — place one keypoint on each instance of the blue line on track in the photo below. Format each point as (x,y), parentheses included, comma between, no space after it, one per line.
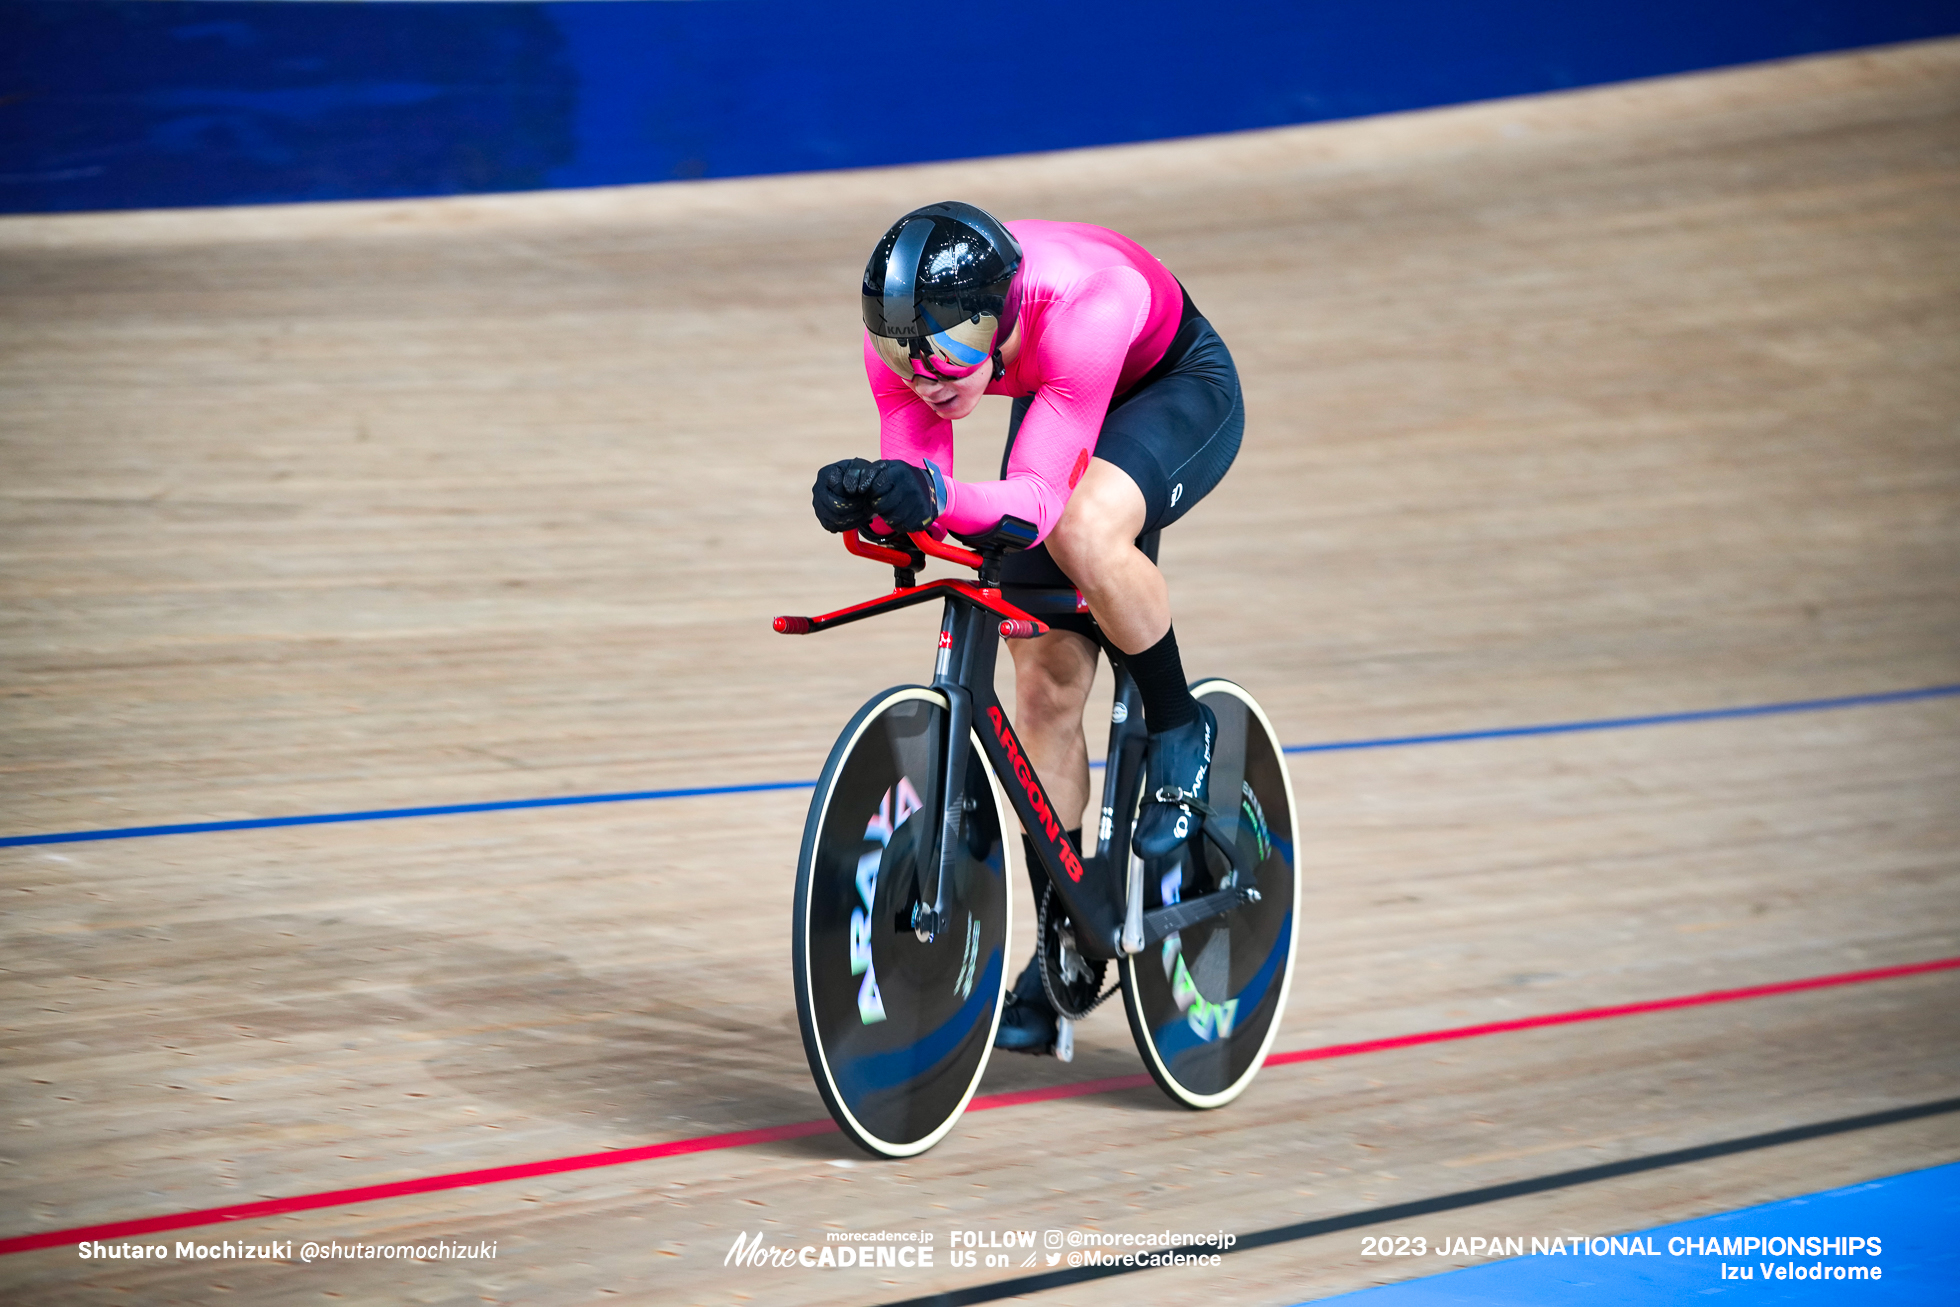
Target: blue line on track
(390,814)
(1624,723)
(704,791)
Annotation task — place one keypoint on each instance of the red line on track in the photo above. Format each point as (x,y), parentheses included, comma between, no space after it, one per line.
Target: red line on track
(986,1102)
(1609,1013)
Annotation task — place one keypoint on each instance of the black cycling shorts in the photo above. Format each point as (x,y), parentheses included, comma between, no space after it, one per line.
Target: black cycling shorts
(1175,434)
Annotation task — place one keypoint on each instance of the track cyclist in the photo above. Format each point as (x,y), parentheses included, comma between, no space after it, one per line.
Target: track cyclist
(1126,412)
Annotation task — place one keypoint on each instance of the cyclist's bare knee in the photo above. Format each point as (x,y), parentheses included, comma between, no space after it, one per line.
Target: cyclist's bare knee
(1100,525)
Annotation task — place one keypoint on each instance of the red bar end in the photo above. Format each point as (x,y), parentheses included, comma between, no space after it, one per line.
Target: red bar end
(792,626)
(1014,628)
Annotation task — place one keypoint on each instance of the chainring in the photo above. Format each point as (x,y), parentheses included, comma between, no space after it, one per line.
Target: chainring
(1072,982)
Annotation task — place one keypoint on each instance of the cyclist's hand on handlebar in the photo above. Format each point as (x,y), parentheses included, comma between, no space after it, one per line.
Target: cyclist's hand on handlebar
(903,494)
(843,495)
(849,493)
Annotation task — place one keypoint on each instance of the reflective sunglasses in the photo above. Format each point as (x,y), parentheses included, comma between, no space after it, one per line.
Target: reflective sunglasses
(957,352)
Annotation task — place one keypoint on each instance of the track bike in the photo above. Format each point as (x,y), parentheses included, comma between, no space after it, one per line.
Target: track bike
(904,888)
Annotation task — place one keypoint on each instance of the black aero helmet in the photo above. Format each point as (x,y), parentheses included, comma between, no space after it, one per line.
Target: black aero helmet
(936,290)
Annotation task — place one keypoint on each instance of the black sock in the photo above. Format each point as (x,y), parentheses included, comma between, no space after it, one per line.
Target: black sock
(1037,878)
(1159,674)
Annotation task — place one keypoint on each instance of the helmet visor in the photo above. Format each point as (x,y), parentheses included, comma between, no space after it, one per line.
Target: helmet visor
(948,355)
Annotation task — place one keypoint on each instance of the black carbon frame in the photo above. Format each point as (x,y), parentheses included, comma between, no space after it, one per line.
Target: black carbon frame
(1092,887)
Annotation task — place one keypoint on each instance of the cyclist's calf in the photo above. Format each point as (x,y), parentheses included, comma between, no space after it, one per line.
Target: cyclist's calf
(1052,677)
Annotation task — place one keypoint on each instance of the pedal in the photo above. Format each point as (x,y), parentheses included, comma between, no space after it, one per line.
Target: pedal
(1064,1040)
(1159,923)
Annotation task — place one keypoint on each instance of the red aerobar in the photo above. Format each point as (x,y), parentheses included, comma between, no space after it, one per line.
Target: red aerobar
(951,553)
(898,558)
(876,553)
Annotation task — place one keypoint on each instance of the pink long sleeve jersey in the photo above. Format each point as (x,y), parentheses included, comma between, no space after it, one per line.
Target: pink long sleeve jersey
(1097,311)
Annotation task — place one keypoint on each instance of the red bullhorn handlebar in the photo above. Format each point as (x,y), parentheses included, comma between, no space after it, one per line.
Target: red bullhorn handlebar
(1014,624)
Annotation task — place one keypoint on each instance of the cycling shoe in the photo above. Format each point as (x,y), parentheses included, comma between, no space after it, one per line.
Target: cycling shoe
(1177,782)
(1027,1022)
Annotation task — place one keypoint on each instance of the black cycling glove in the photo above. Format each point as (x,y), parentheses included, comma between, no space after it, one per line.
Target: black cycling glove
(842,496)
(903,494)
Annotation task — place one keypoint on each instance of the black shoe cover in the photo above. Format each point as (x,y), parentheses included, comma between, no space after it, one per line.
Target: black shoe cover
(1177,783)
(1027,1022)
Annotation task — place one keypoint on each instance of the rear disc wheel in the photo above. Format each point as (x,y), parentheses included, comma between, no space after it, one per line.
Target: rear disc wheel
(1205,1003)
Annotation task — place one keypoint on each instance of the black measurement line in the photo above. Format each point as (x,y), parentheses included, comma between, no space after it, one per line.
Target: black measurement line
(1445,1203)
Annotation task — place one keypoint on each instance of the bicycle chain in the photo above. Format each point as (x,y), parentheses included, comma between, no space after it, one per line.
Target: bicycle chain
(1049,902)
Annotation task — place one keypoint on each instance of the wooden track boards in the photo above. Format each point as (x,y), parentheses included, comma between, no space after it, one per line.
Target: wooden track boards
(1634,400)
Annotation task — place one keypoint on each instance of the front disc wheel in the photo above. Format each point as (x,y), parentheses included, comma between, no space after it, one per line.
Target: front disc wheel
(898,1028)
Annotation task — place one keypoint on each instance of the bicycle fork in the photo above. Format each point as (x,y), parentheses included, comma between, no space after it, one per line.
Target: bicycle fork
(954,641)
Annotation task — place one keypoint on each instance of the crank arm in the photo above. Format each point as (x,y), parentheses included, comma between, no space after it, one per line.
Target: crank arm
(1160,923)
(1241,869)
(1176,916)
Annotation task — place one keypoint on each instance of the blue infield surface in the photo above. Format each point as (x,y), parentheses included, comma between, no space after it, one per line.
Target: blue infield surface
(1905,1252)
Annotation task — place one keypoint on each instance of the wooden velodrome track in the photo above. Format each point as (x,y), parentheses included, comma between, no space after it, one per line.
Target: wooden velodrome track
(1638,400)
